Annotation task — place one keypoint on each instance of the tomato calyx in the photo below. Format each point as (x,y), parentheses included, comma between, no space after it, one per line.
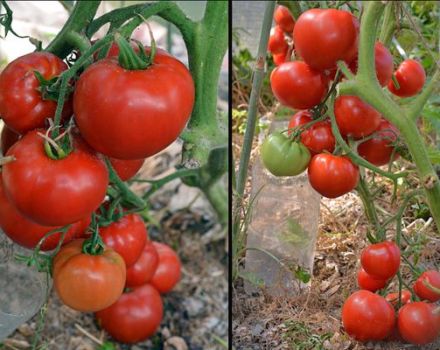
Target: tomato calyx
(59,147)
(129,59)
(93,245)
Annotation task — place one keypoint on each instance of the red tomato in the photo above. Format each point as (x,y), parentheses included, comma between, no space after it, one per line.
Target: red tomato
(28,234)
(144,268)
(355,117)
(298,86)
(277,43)
(393,298)
(8,138)
(381,260)
(87,282)
(418,323)
(383,61)
(134,317)
(127,237)
(411,78)
(324,36)
(126,169)
(332,176)
(168,272)
(423,291)
(280,58)
(367,316)
(319,137)
(22,106)
(54,192)
(379,149)
(152,104)
(367,282)
(284,19)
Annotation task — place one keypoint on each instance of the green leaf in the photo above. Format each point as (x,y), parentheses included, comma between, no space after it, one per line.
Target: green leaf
(294,233)
(107,346)
(302,274)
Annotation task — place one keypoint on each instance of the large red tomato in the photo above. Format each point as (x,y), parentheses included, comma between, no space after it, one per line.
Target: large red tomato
(367,316)
(284,19)
(54,192)
(411,78)
(277,43)
(355,117)
(8,138)
(381,260)
(332,176)
(144,268)
(132,114)
(126,169)
(324,36)
(168,272)
(298,86)
(423,291)
(134,317)
(88,282)
(127,237)
(22,107)
(378,150)
(368,282)
(26,233)
(319,137)
(418,323)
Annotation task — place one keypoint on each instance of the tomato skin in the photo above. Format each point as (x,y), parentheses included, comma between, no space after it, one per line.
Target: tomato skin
(87,282)
(168,272)
(284,18)
(126,169)
(158,114)
(367,282)
(22,106)
(355,117)
(319,137)
(422,291)
(277,43)
(298,86)
(280,58)
(284,157)
(393,298)
(381,260)
(324,36)
(134,317)
(8,138)
(127,237)
(418,324)
(54,192)
(367,316)
(332,176)
(411,78)
(144,268)
(378,150)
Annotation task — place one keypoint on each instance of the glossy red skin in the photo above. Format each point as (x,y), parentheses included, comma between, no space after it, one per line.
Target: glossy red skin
(422,291)
(280,58)
(284,19)
(332,176)
(298,86)
(319,137)
(411,78)
(383,61)
(138,113)
(381,260)
(418,324)
(136,316)
(127,237)
(54,192)
(168,271)
(8,138)
(126,169)
(367,282)
(393,298)
(21,105)
(355,117)
(144,268)
(378,150)
(324,36)
(367,316)
(277,43)
(26,233)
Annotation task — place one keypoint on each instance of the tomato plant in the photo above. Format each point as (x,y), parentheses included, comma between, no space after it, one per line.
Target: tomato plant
(368,282)
(277,43)
(393,298)
(425,286)
(168,270)
(8,138)
(381,260)
(284,19)
(410,76)
(126,169)
(143,270)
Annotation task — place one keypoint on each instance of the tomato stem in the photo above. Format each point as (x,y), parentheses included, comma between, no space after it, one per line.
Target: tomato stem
(128,59)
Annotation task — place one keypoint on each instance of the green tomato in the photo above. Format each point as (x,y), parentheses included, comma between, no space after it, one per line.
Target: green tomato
(283,156)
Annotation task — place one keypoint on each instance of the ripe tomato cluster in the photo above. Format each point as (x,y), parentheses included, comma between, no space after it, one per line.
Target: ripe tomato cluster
(53,189)
(321,38)
(369,316)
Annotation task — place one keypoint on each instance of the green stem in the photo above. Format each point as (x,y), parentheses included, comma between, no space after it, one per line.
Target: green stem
(127,56)
(369,207)
(419,102)
(218,198)
(388,24)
